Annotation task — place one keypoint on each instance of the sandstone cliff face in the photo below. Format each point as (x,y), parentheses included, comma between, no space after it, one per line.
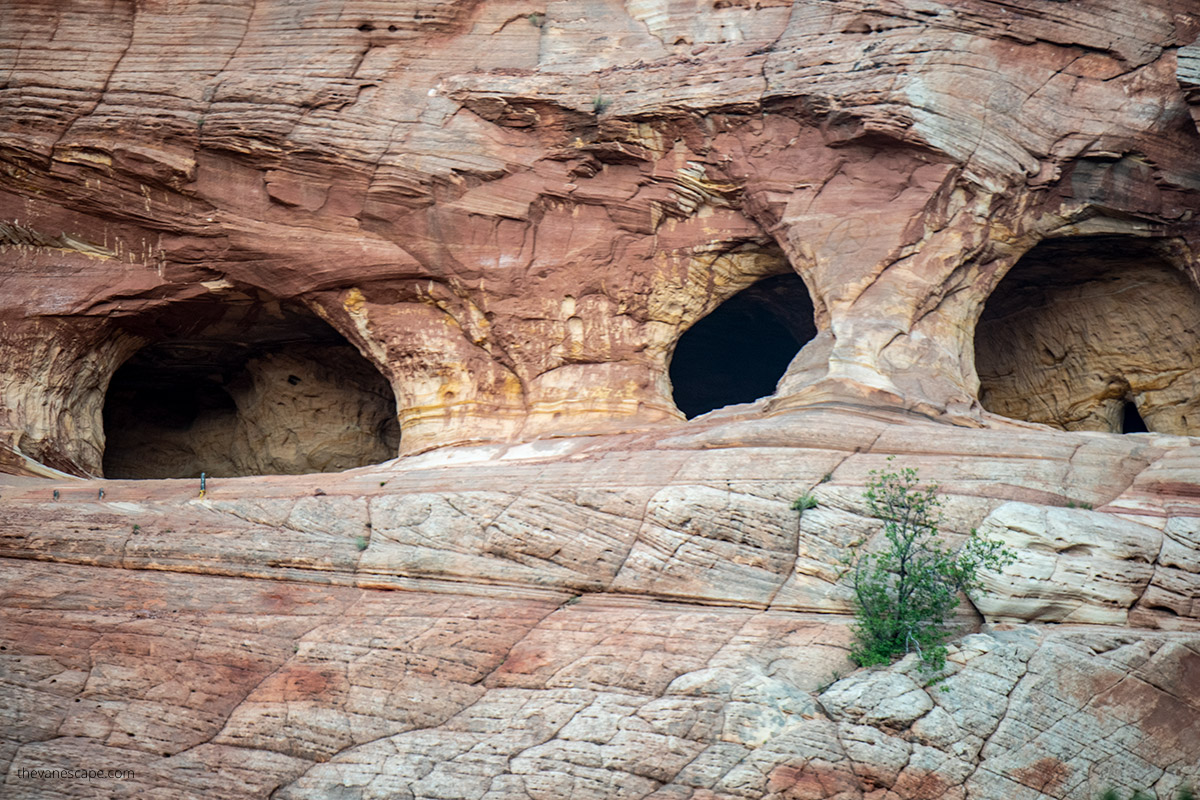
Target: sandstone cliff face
(597,617)
(257,237)
(516,210)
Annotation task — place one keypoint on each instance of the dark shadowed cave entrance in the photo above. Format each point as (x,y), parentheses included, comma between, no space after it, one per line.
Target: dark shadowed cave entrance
(1097,333)
(245,388)
(739,352)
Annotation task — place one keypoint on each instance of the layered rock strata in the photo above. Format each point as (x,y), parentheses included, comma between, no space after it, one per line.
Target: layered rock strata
(514,212)
(615,617)
(216,687)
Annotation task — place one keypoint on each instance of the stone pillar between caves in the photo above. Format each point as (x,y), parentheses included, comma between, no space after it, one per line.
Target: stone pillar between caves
(887,237)
(465,369)
(53,382)
(896,293)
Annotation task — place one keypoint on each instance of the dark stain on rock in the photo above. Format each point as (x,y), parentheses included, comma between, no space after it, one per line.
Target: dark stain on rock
(1046,775)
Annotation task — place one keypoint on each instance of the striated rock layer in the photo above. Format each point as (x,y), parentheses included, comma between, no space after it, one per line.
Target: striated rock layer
(515,210)
(260,238)
(636,616)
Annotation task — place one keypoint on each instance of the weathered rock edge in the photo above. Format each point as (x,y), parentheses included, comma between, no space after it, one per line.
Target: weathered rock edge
(635,620)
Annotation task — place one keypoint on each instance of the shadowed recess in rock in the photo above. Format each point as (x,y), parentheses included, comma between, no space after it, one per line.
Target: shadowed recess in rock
(1132,421)
(259,388)
(1098,333)
(738,352)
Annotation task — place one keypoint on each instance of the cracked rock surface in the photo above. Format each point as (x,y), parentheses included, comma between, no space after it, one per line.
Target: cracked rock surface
(453,245)
(594,619)
(196,683)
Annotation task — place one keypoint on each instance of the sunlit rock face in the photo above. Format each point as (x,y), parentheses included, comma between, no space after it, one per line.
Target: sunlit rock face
(617,282)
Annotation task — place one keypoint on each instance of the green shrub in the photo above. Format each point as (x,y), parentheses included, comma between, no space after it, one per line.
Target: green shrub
(1185,793)
(904,593)
(804,502)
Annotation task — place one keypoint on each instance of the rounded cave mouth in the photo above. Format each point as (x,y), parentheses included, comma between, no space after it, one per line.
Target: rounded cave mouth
(1095,333)
(741,349)
(235,388)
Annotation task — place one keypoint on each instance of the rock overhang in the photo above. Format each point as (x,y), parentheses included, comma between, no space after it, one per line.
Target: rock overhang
(514,214)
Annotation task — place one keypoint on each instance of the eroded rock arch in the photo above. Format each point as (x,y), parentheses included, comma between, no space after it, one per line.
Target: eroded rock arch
(740,350)
(244,387)
(1093,333)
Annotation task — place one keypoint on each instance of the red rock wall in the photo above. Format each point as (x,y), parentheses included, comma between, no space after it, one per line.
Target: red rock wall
(513,211)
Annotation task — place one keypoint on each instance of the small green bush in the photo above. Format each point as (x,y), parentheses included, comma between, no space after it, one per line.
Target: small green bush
(1111,794)
(1185,793)
(904,593)
(804,502)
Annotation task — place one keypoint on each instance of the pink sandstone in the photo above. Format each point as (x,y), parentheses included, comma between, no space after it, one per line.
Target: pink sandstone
(253,239)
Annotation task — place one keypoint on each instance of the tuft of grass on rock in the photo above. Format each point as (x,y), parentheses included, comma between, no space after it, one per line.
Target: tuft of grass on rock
(804,502)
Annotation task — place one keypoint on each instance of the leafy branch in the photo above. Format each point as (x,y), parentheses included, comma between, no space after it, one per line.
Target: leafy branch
(905,591)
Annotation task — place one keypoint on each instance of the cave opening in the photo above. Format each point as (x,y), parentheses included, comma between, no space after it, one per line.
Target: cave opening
(1097,333)
(1131,420)
(245,388)
(740,350)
